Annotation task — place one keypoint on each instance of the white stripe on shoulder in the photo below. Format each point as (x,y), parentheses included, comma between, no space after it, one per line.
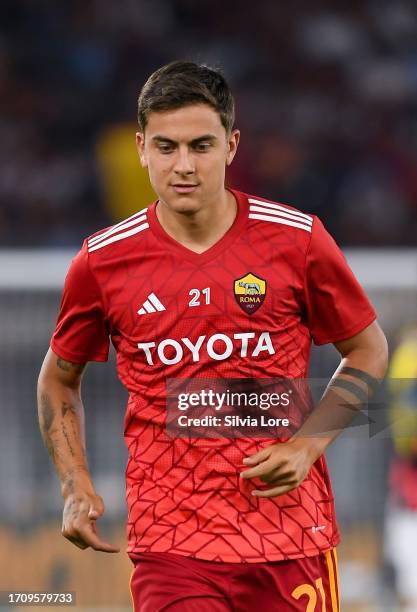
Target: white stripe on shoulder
(296,213)
(126,223)
(117,237)
(273,219)
(278,213)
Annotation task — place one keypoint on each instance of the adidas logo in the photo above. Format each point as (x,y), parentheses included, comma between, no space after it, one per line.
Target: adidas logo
(152,304)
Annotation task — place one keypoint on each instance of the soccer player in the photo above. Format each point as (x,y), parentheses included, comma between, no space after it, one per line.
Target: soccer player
(209,282)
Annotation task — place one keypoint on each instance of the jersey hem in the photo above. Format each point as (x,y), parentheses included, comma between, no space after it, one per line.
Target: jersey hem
(347,333)
(75,357)
(311,552)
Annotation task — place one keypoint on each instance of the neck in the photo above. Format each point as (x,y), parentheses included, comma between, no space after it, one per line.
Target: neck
(199,230)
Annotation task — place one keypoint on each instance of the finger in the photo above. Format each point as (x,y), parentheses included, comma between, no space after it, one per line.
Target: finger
(86,535)
(279,476)
(260,456)
(107,547)
(262,468)
(91,538)
(280,480)
(76,542)
(94,513)
(95,543)
(96,508)
(275,491)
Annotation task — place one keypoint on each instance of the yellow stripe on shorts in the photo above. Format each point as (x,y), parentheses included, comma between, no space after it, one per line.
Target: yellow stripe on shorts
(332,582)
(130,590)
(336,564)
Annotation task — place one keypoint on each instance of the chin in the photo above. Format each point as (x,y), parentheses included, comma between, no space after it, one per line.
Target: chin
(183,204)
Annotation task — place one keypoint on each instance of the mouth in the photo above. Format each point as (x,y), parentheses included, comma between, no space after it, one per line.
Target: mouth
(184,187)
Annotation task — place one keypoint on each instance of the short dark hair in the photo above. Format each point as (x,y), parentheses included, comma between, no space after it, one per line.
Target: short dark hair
(182,83)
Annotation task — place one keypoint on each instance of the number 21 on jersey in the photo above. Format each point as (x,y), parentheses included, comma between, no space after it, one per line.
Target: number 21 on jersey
(196,293)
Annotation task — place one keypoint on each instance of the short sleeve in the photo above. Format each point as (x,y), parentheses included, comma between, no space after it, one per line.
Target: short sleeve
(337,307)
(81,332)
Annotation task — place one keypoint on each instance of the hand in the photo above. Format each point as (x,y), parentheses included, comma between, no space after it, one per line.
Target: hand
(81,510)
(283,466)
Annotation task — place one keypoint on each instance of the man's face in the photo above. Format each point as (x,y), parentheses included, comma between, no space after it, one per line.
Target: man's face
(186,152)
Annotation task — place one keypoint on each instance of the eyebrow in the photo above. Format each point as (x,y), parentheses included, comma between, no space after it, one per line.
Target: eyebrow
(205,137)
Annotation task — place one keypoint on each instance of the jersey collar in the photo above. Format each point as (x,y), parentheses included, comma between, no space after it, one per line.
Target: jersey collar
(223,243)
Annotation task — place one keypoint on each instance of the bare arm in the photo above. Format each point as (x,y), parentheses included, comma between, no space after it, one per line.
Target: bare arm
(364,355)
(61,421)
(285,465)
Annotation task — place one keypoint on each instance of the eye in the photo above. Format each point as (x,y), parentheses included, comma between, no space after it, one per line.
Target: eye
(202,147)
(165,147)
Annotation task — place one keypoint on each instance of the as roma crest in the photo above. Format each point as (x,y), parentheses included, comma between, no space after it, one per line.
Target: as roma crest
(250,291)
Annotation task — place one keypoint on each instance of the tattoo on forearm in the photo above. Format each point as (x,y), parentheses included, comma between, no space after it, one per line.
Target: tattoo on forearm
(77,468)
(47,416)
(51,444)
(74,429)
(69,366)
(352,387)
(64,431)
(65,406)
(69,478)
(372,382)
(50,448)
(50,421)
(46,411)
(72,410)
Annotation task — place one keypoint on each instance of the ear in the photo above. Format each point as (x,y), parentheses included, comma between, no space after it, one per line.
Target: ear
(140,145)
(233,143)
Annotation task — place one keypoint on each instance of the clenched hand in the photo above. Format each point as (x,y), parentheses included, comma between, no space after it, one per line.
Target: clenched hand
(81,510)
(283,466)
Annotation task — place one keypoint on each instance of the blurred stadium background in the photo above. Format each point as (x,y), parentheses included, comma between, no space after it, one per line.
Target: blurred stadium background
(327,101)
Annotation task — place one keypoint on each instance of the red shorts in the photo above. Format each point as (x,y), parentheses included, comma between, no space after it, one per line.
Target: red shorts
(168,582)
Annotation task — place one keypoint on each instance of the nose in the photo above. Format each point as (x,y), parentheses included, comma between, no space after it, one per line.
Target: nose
(184,163)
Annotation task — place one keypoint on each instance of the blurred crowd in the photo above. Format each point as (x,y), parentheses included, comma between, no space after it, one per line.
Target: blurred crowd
(326,97)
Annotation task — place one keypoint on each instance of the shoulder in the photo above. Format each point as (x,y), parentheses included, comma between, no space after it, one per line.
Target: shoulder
(119,234)
(278,215)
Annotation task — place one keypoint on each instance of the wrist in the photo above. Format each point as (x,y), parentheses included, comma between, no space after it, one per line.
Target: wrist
(313,446)
(76,479)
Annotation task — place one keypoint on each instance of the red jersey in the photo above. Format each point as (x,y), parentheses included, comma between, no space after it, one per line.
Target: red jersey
(248,307)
